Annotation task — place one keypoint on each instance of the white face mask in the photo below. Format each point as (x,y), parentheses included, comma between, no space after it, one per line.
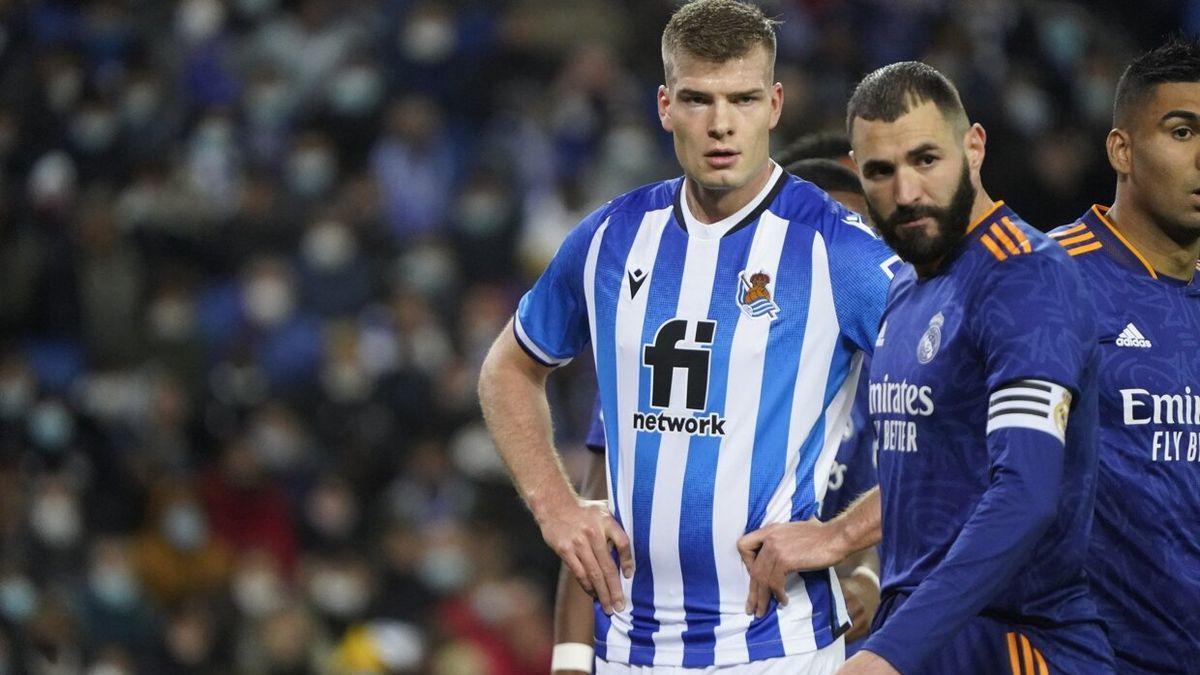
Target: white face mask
(114,585)
(140,103)
(445,568)
(310,173)
(18,599)
(172,319)
(185,527)
(338,593)
(199,20)
(51,426)
(56,521)
(268,300)
(356,90)
(94,130)
(257,593)
(329,246)
(428,39)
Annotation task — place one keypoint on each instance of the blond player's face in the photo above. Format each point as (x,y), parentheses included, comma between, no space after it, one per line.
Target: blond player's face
(721,115)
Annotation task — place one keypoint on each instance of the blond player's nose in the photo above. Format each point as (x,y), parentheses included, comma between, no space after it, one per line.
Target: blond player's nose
(720,124)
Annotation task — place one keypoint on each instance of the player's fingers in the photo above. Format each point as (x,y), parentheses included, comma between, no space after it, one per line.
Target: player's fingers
(778,577)
(762,593)
(620,541)
(752,596)
(749,543)
(611,582)
(581,575)
(594,573)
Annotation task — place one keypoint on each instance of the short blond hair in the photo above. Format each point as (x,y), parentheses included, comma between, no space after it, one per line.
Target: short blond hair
(716,30)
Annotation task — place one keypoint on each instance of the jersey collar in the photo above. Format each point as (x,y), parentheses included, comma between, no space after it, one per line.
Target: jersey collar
(1112,242)
(981,230)
(728,225)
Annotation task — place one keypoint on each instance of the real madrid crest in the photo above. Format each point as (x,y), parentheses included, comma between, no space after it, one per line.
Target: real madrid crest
(927,346)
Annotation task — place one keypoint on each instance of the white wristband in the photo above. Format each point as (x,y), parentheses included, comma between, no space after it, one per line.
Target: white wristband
(866,572)
(572,656)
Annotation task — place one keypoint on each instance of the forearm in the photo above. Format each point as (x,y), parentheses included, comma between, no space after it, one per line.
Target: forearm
(860,526)
(512,393)
(573,607)
(999,537)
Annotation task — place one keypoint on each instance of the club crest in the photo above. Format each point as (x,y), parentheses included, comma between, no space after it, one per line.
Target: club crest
(927,346)
(754,297)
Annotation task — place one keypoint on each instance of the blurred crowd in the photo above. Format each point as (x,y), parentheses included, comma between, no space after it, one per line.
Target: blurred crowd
(252,253)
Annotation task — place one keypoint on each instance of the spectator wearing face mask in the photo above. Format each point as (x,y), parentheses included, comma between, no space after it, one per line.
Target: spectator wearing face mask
(175,555)
(115,609)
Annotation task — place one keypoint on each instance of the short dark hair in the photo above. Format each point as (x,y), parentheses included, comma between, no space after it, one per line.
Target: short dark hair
(826,174)
(893,90)
(817,145)
(1176,61)
(716,30)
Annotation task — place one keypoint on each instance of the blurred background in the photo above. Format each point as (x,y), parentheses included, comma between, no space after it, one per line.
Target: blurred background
(252,253)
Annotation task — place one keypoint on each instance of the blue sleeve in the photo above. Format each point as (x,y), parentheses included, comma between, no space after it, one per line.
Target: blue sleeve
(1025,451)
(595,435)
(854,470)
(551,323)
(1035,320)
(861,268)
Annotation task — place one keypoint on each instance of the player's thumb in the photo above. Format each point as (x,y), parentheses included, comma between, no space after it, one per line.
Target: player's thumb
(748,546)
(620,541)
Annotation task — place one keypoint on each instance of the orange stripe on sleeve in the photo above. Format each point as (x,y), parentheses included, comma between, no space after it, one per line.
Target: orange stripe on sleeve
(1085,248)
(1022,240)
(1027,652)
(1008,243)
(1070,230)
(1075,240)
(991,246)
(1043,669)
(1012,653)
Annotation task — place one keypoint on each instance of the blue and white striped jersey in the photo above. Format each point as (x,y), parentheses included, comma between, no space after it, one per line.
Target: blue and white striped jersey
(726,358)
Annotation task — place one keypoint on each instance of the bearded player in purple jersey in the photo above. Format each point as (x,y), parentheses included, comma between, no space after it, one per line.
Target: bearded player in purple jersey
(983,393)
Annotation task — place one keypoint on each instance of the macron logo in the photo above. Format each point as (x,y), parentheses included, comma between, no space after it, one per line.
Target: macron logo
(1132,337)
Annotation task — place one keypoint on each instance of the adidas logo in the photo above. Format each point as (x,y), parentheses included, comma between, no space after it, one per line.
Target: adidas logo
(882,332)
(1132,337)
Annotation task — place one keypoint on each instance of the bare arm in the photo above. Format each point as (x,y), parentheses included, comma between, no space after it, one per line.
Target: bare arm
(512,392)
(573,619)
(772,552)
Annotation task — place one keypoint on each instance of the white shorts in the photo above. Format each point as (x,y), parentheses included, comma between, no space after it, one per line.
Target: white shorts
(824,661)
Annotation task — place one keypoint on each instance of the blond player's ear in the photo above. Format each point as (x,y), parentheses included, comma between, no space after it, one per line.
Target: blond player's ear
(664,108)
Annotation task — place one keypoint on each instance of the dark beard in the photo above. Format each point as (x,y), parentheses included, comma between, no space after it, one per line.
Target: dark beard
(952,221)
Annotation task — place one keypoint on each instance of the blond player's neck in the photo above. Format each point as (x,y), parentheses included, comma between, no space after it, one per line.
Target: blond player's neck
(711,206)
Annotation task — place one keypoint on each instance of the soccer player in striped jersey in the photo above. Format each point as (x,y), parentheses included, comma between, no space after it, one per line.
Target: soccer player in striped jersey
(983,394)
(851,474)
(725,310)
(1139,258)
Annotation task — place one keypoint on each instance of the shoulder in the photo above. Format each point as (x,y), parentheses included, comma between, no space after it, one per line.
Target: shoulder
(802,203)
(1078,239)
(1019,260)
(633,205)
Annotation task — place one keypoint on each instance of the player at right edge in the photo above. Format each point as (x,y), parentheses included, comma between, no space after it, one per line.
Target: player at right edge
(1139,258)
